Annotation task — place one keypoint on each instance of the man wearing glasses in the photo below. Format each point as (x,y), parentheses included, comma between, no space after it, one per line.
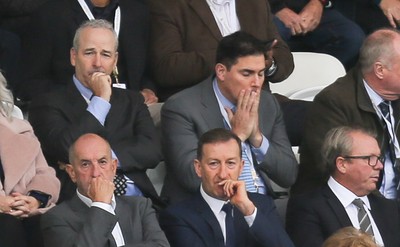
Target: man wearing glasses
(368,96)
(349,198)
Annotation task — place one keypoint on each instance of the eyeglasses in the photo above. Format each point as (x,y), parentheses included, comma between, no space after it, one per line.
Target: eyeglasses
(372,159)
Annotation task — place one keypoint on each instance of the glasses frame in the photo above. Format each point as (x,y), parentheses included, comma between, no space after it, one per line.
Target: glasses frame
(380,158)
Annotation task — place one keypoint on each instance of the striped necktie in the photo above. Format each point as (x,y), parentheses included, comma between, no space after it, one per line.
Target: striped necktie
(384,107)
(365,222)
(246,174)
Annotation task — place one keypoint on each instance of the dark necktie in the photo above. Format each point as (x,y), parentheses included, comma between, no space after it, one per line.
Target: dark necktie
(229,226)
(120,184)
(365,222)
(384,107)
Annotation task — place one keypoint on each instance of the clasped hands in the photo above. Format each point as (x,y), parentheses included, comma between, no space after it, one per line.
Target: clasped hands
(244,122)
(18,205)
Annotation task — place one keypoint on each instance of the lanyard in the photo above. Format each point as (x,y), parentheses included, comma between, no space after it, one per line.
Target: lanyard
(117,19)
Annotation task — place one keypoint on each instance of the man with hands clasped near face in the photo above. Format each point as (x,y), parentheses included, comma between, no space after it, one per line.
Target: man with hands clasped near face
(232,99)
(94,216)
(222,213)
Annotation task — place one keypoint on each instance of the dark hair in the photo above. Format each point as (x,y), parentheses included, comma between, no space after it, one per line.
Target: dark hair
(237,45)
(215,136)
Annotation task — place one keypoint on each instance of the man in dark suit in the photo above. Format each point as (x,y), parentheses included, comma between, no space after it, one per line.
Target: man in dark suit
(357,99)
(91,105)
(94,217)
(349,198)
(233,98)
(46,60)
(202,219)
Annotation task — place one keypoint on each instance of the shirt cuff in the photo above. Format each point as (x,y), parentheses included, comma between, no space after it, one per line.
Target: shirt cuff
(99,108)
(251,218)
(262,150)
(105,206)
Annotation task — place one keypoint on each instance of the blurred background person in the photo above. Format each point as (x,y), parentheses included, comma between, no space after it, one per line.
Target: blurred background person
(350,237)
(28,186)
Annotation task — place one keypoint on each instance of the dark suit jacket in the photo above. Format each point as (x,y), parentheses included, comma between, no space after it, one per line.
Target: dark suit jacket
(314,216)
(345,102)
(60,117)
(73,223)
(192,112)
(185,36)
(192,223)
(46,49)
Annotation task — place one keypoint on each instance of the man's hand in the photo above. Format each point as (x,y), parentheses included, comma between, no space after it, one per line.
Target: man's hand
(291,20)
(311,15)
(100,84)
(149,96)
(101,190)
(244,121)
(391,8)
(236,192)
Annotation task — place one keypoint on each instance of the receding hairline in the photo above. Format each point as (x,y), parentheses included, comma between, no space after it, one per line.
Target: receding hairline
(88,136)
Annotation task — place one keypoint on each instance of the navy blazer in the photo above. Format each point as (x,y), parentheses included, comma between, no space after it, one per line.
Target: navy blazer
(314,216)
(192,223)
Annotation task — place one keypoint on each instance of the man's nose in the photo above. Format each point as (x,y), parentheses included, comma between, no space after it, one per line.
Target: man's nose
(96,170)
(97,60)
(222,172)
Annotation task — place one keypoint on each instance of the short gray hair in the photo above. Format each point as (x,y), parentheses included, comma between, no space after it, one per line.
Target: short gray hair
(6,98)
(97,23)
(338,142)
(378,46)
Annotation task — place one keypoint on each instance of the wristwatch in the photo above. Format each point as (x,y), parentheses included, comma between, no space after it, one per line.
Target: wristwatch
(326,3)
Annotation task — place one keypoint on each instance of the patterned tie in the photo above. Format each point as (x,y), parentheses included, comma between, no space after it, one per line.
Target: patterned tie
(120,184)
(246,174)
(365,223)
(229,226)
(384,107)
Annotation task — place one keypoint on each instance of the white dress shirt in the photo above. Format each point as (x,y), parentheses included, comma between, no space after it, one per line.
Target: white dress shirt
(216,207)
(116,232)
(224,12)
(346,198)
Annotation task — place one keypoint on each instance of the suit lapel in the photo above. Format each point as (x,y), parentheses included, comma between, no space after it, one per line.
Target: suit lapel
(336,207)
(208,216)
(210,110)
(201,8)
(124,219)
(77,103)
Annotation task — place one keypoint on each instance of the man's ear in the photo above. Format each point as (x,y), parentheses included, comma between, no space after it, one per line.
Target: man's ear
(72,56)
(220,70)
(379,70)
(341,165)
(197,167)
(71,172)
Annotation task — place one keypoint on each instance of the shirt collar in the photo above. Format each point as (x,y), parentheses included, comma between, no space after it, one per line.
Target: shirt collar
(345,196)
(89,202)
(374,96)
(224,101)
(215,204)
(220,2)
(84,91)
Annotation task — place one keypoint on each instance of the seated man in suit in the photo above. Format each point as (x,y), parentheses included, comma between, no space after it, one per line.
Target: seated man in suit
(349,198)
(94,216)
(91,105)
(233,99)
(222,213)
(367,96)
(51,43)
